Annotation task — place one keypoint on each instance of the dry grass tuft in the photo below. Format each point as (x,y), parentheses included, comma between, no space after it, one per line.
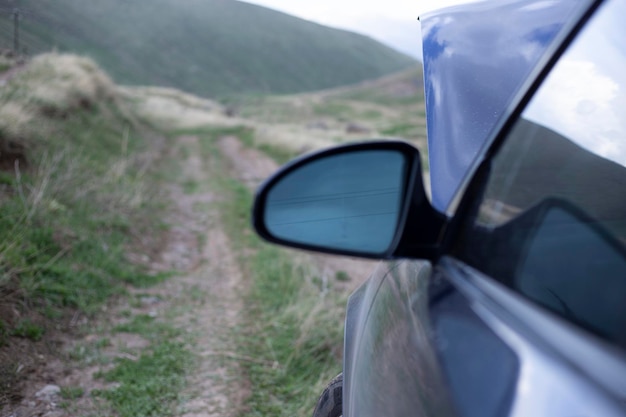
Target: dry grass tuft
(172,109)
(49,88)
(296,138)
(66,82)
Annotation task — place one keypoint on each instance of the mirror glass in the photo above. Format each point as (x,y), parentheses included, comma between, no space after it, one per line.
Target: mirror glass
(350,201)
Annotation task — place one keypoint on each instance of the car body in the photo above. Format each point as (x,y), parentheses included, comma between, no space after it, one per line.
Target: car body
(506,295)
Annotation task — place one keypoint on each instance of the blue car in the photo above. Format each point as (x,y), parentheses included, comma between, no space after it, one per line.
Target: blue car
(505,294)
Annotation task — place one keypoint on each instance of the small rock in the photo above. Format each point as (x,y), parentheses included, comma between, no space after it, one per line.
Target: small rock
(318,124)
(153,314)
(48,392)
(356,128)
(150,300)
(230,111)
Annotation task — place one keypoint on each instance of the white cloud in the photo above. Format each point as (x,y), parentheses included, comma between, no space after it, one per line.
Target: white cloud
(577,100)
(584,97)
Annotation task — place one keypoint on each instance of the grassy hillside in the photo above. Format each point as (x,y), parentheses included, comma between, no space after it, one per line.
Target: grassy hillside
(207,47)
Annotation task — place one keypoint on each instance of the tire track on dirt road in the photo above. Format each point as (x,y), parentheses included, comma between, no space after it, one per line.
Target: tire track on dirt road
(213,281)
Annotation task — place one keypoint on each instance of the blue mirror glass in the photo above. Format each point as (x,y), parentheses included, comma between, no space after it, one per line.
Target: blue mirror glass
(350,201)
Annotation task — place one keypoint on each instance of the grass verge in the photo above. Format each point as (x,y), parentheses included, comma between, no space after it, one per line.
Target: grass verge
(294,328)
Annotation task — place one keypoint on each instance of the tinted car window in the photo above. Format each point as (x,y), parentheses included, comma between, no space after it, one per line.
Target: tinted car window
(551,220)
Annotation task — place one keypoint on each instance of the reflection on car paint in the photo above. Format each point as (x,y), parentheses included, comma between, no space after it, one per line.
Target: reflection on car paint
(476,58)
(402,376)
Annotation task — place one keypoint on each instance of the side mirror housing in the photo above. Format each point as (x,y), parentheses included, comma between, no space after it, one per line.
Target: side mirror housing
(365,200)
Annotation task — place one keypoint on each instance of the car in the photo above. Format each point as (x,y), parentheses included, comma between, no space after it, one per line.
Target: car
(504,293)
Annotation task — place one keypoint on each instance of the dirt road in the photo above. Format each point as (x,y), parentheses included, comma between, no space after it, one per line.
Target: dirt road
(218,389)
(204,299)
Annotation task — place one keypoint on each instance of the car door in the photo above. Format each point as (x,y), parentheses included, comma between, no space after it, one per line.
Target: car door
(529,317)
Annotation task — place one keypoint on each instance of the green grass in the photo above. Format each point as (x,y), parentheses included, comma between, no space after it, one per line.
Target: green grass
(151,385)
(149,328)
(245,134)
(335,109)
(210,48)
(4,333)
(71,392)
(342,276)
(279,154)
(149,382)
(270,109)
(70,257)
(28,330)
(191,187)
(405,130)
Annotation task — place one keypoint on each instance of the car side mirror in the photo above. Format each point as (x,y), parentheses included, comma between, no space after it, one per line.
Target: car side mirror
(357,200)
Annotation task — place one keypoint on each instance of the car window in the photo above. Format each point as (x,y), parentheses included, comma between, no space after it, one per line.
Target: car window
(551,220)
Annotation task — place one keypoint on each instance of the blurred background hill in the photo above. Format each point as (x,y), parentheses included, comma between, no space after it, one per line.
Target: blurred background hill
(206,47)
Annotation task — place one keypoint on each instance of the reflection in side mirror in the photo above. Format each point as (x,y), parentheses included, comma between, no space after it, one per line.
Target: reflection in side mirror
(347,201)
(364,199)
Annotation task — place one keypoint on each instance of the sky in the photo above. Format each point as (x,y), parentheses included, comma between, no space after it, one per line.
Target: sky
(393,22)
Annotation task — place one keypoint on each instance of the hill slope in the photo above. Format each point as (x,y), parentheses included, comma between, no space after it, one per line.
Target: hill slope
(208,47)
